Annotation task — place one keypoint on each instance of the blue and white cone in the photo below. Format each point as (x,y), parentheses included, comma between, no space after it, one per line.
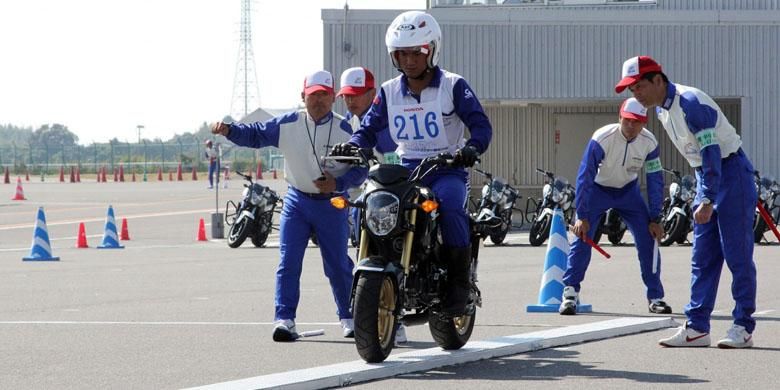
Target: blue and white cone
(41,249)
(110,238)
(551,289)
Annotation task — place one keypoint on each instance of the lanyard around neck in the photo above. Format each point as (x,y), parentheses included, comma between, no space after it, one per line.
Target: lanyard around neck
(312,140)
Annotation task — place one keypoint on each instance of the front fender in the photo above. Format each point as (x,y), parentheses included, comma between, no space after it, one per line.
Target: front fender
(374,264)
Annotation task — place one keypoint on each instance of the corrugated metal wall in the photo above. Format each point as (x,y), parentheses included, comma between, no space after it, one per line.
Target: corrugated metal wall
(547,57)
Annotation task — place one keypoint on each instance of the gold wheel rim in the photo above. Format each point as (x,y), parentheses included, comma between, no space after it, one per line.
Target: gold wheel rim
(462,324)
(385,312)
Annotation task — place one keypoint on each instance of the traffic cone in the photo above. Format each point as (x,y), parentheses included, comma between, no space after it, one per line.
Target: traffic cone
(202,230)
(19,190)
(159,174)
(259,170)
(7,178)
(62,174)
(110,239)
(78,174)
(72,175)
(194,174)
(81,242)
(551,289)
(178,173)
(121,173)
(41,249)
(133,176)
(26,175)
(274,173)
(125,236)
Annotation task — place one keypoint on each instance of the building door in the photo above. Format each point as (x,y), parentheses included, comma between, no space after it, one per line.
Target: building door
(572,133)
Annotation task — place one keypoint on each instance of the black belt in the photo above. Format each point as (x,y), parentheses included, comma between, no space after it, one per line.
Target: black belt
(317,196)
(739,152)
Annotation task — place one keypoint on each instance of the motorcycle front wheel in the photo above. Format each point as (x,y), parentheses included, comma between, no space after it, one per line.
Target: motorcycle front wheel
(451,333)
(238,232)
(506,224)
(261,233)
(615,238)
(375,321)
(540,230)
(759,227)
(673,230)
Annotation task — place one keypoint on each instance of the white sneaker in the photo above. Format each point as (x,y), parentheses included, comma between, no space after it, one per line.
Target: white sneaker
(569,302)
(686,337)
(736,337)
(348,326)
(400,335)
(284,330)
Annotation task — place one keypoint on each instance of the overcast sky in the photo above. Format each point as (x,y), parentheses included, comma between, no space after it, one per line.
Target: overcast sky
(103,67)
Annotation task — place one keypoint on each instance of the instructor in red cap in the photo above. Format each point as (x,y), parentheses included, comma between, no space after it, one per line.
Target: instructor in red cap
(609,178)
(724,205)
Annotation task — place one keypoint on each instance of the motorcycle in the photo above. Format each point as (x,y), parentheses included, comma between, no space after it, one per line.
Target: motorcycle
(496,206)
(253,216)
(401,275)
(677,214)
(557,192)
(612,225)
(768,190)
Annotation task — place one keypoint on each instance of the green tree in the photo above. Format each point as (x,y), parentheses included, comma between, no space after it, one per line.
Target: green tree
(56,134)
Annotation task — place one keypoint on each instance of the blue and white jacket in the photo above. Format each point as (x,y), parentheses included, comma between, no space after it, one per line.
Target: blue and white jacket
(459,105)
(700,131)
(303,143)
(610,160)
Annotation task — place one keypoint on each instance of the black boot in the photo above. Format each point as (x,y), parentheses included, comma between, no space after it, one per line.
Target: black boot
(458,262)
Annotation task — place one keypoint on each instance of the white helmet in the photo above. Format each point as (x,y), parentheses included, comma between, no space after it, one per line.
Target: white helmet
(414,29)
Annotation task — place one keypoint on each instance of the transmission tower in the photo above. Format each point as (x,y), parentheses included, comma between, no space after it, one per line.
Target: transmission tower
(246,92)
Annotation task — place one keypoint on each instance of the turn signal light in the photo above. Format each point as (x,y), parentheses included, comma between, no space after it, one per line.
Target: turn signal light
(338,202)
(429,205)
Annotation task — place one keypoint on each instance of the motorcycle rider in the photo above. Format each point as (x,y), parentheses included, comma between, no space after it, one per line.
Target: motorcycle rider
(608,178)
(303,137)
(724,205)
(427,110)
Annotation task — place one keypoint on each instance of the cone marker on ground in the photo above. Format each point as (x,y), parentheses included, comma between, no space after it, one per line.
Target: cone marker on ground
(19,190)
(202,230)
(110,238)
(41,248)
(81,241)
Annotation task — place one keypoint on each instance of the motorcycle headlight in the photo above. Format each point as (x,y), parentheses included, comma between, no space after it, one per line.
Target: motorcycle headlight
(257,198)
(686,195)
(674,189)
(495,196)
(557,196)
(381,212)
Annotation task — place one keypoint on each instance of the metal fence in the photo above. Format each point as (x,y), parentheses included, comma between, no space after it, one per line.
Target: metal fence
(143,157)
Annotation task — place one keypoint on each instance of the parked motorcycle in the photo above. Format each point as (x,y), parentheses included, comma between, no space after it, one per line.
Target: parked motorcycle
(496,206)
(677,214)
(402,273)
(253,216)
(557,192)
(768,190)
(612,225)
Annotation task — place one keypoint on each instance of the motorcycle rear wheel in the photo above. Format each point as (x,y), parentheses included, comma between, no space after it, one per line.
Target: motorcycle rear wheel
(759,227)
(238,233)
(374,312)
(451,333)
(540,230)
(616,238)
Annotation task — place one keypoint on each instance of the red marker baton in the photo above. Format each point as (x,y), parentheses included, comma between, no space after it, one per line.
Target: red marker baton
(597,247)
(768,219)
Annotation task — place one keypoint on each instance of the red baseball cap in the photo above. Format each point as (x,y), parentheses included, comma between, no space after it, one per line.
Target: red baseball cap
(356,81)
(320,80)
(633,70)
(632,109)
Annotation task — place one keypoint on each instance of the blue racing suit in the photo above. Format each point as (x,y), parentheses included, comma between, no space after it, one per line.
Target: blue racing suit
(303,142)
(608,178)
(422,126)
(724,174)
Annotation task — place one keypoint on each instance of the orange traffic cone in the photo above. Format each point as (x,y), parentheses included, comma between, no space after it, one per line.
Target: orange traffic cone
(202,230)
(194,174)
(19,191)
(125,235)
(159,174)
(178,173)
(72,175)
(62,174)
(81,242)
(7,179)
(274,173)
(259,174)
(121,173)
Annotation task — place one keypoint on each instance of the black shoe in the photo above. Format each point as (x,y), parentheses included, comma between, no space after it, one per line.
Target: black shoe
(458,262)
(657,306)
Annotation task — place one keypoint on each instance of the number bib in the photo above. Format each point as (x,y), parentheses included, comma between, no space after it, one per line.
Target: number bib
(417,128)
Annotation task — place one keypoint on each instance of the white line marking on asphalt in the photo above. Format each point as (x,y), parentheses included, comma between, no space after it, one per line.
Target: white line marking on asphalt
(763,312)
(136,216)
(165,323)
(343,374)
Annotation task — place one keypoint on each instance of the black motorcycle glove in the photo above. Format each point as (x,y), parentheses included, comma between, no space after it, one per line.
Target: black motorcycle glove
(466,156)
(345,149)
